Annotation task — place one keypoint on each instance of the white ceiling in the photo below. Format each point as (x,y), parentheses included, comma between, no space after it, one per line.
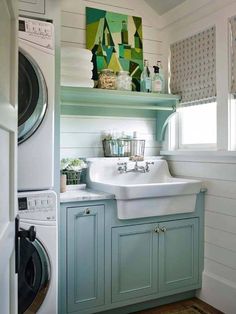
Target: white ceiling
(163,6)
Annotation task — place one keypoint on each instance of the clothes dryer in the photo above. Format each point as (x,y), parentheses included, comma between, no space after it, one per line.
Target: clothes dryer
(36,90)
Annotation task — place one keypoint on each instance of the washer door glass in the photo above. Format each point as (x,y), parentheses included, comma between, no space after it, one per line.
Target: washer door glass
(32,97)
(33,276)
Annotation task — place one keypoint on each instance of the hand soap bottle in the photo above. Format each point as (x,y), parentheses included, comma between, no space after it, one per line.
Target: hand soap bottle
(157,80)
(145,80)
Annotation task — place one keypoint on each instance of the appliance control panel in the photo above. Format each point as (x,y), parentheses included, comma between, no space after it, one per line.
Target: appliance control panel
(37,32)
(39,205)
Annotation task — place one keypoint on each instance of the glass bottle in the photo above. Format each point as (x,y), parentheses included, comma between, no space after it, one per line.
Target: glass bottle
(145,79)
(123,81)
(157,80)
(161,73)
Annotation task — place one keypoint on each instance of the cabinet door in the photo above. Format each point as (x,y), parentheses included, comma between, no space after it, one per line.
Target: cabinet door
(178,254)
(35,6)
(134,261)
(85,257)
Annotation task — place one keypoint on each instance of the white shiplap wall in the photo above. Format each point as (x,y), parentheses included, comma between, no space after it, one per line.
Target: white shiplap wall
(73,23)
(218,173)
(81,135)
(219,279)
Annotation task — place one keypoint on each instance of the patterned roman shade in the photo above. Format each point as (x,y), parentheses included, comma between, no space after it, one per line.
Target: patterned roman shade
(232,22)
(193,68)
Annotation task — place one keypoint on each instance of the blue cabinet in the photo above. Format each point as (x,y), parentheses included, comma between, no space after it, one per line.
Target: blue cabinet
(134,261)
(178,254)
(107,263)
(85,257)
(152,258)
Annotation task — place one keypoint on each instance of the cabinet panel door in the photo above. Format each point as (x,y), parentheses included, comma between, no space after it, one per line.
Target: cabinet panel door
(178,254)
(134,261)
(35,6)
(85,257)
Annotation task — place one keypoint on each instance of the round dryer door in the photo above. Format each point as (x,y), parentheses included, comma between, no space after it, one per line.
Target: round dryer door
(33,276)
(32,97)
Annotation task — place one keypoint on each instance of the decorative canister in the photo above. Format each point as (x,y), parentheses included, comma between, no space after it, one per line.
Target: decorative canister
(107,79)
(123,81)
(63,183)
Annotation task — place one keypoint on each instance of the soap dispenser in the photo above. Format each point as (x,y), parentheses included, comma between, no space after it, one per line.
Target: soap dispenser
(157,80)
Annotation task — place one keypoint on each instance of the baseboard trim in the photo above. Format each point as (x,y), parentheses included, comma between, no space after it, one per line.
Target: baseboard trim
(218,292)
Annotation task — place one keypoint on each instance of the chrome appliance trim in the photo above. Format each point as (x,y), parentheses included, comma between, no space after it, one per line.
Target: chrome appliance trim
(31,125)
(46,277)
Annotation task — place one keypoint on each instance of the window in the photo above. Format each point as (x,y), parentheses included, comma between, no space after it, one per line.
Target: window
(194,127)
(193,77)
(197,126)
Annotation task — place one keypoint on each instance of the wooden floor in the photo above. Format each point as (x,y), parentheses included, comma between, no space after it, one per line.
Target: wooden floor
(178,307)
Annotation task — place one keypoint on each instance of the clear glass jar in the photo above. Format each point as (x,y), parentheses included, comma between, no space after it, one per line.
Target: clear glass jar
(107,79)
(123,81)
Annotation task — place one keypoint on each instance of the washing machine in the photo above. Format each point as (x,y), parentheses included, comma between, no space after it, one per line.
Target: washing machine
(36,90)
(37,265)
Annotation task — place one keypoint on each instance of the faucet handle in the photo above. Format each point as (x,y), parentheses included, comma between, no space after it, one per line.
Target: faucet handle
(122,163)
(147,165)
(149,162)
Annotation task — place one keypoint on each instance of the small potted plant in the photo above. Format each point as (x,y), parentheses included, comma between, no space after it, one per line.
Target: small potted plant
(71,169)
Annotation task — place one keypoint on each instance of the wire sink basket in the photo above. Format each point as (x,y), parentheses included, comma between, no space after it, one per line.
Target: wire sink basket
(123,147)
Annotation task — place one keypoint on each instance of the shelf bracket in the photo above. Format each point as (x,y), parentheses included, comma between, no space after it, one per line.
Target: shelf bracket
(162,120)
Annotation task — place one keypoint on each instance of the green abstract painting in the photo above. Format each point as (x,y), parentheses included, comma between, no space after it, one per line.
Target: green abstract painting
(116,42)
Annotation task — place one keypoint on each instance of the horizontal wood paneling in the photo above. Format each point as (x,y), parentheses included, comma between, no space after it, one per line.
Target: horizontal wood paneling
(221,205)
(221,255)
(74,22)
(221,222)
(220,217)
(87,152)
(81,136)
(218,268)
(97,124)
(222,238)
(219,171)
(70,140)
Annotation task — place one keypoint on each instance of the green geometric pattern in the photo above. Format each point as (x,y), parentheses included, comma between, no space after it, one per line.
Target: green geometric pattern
(116,42)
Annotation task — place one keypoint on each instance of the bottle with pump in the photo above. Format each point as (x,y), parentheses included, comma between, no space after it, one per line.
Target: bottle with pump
(146,81)
(157,79)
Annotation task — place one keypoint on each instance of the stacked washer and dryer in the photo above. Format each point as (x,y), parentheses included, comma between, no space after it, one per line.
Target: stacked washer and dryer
(37,272)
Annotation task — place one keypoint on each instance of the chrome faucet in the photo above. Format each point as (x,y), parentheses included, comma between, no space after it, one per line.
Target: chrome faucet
(122,167)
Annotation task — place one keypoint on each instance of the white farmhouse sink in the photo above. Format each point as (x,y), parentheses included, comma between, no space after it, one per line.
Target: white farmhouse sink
(148,194)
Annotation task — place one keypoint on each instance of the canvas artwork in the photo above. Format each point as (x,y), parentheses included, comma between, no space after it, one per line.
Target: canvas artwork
(116,43)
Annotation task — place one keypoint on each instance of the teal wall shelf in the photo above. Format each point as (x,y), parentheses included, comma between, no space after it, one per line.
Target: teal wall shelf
(91,101)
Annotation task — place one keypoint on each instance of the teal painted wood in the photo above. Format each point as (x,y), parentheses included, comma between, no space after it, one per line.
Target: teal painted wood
(85,257)
(81,96)
(133,302)
(162,120)
(134,261)
(92,101)
(178,254)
